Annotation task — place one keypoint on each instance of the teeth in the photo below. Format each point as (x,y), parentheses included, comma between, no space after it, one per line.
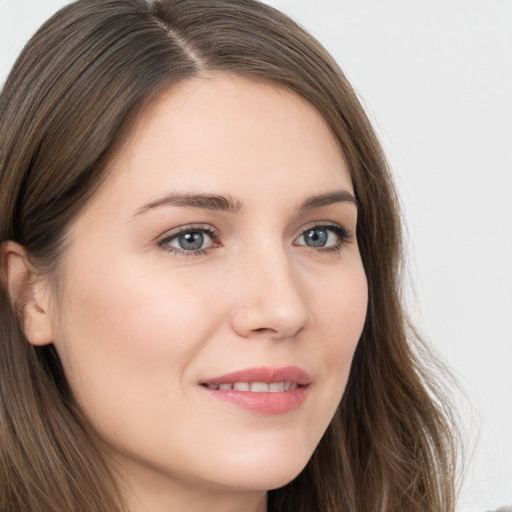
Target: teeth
(256,387)
(259,387)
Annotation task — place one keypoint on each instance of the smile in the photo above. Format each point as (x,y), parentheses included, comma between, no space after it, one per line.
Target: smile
(264,391)
(256,387)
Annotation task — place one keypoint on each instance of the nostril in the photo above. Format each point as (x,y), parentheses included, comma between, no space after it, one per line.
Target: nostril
(263,330)
(266,319)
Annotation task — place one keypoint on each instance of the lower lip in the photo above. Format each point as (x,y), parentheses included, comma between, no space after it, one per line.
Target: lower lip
(268,404)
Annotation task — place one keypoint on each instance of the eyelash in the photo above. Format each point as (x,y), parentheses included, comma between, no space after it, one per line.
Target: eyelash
(344,237)
(194,228)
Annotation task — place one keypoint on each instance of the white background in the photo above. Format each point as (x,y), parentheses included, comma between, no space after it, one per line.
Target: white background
(436,79)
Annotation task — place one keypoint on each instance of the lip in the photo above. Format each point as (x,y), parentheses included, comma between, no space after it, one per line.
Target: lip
(263,403)
(263,374)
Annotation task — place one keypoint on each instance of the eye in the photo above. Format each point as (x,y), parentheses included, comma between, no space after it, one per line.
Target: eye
(191,240)
(323,237)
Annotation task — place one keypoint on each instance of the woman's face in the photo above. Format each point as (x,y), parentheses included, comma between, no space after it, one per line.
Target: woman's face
(219,253)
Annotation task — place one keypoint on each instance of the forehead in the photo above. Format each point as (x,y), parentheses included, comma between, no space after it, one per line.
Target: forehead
(231,135)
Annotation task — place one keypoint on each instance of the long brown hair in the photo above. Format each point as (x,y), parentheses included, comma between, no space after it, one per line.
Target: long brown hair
(76,86)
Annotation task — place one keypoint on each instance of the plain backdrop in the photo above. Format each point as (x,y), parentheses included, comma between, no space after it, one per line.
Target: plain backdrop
(436,79)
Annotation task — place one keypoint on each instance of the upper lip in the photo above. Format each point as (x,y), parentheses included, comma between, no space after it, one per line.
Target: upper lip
(263,374)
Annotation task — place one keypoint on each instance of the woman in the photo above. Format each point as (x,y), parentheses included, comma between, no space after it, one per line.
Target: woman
(200,260)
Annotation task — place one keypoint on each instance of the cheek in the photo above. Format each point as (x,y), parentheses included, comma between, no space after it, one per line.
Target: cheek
(345,308)
(126,338)
(339,313)
(340,309)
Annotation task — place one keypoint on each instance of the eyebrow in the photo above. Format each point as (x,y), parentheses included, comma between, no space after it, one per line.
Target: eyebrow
(337,196)
(216,202)
(212,202)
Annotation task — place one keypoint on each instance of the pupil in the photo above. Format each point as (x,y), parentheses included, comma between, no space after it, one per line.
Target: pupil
(191,241)
(316,237)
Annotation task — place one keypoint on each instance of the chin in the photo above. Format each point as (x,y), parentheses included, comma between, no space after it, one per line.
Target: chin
(265,473)
(272,478)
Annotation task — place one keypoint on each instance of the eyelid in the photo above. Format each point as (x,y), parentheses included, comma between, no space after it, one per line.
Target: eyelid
(344,235)
(167,236)
(335,226)
(169,233)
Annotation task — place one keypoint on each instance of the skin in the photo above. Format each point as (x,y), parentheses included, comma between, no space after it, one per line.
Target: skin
(139,324)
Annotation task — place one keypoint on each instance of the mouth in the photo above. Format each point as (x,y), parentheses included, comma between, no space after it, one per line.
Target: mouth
(264,390)
(256,387)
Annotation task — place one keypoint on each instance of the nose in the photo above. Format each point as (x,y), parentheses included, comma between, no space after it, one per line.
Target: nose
(270,301)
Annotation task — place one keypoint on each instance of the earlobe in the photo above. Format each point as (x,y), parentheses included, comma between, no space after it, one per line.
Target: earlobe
(29,292)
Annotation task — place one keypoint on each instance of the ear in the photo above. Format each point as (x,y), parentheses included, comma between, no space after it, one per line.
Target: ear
(29,291)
